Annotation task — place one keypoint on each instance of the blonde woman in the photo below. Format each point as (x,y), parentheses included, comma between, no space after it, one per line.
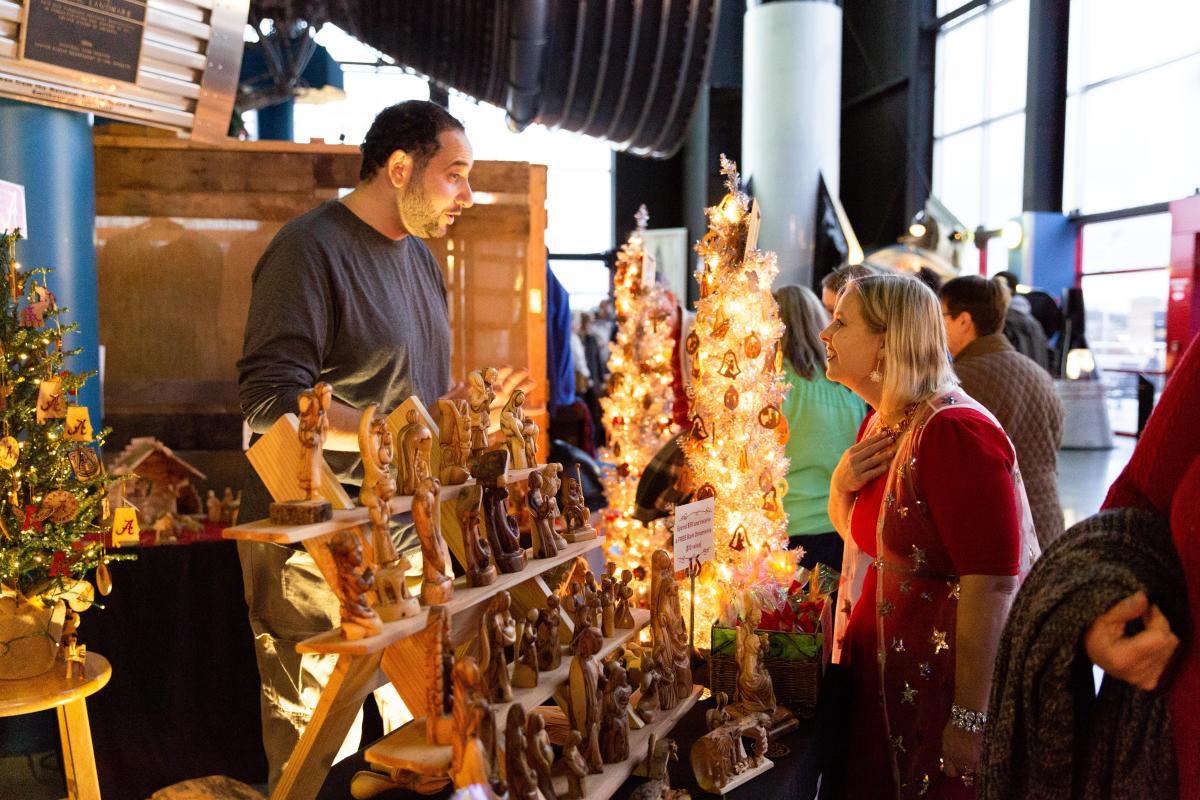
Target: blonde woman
(931,493)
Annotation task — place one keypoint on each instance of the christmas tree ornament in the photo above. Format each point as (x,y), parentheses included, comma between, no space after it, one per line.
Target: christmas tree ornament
(84,463)
(769,417)
(706,491)
(78,427)
(731,398)
(693,343)
(103,579)
(51,404)
(125,528)
(59,506)
(10,452)
(729,365)
(740,539)
(752,346)
(699,431)
(721,328)
(58,565)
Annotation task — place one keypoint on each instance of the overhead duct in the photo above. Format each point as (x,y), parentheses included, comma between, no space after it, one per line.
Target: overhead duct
(628,72)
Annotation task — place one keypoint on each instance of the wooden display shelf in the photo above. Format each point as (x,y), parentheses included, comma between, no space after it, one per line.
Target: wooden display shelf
(394,751)
(464,598)
(608,782)
(264,530)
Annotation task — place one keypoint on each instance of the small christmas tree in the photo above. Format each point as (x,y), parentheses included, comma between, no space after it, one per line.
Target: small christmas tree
(52,487)
(735,447)
(637,410)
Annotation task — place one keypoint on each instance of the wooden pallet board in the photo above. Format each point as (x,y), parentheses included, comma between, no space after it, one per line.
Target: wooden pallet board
(465,598)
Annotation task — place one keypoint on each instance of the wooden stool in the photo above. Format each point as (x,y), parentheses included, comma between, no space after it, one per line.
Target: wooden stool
(53,690)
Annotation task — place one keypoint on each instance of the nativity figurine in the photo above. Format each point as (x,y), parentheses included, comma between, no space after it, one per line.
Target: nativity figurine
(355,581)
(551,483)
(575,511)
(549,648)
(754,691)
(522,784)
(624,600)
(437,587)
(313,427)
(497,630)
(608,616)
(481,393)
(614,714)
(545,542)
(378,487)
(454,442)
(503,535)
(584,706)
(525,667)
(666,623)
(574,766)
(540,754)
(480,570)
(416,445)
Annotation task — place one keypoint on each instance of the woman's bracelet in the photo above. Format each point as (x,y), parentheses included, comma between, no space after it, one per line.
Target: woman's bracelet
(967,720)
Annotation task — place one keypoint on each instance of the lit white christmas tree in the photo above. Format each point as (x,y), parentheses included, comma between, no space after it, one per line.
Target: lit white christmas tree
(637,410)
(735,448)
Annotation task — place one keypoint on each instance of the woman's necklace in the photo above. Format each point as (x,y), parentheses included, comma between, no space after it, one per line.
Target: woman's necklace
(898,428)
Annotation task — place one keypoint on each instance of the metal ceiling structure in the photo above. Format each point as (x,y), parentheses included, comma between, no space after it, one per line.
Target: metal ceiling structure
(628,71)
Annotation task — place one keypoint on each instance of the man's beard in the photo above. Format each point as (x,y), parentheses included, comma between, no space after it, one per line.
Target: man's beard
(417,214)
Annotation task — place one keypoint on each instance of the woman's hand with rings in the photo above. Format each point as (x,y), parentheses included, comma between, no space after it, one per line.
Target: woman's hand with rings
(863,462)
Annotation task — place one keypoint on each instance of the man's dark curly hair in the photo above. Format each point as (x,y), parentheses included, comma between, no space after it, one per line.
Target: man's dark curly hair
(412,126)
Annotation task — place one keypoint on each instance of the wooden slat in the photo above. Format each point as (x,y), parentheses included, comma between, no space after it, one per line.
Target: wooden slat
(205,205)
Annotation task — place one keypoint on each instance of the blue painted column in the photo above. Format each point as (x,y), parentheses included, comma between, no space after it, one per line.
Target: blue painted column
(277,122)
(49,152)
(1046,257)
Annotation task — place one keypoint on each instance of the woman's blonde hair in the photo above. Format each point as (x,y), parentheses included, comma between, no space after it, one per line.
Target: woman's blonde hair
(908,314)
(803,318)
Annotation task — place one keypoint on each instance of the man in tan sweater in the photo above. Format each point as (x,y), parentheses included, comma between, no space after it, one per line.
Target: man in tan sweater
(1012,386)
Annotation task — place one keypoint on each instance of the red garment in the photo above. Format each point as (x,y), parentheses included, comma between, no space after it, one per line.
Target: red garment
(1164,476)
(958,516)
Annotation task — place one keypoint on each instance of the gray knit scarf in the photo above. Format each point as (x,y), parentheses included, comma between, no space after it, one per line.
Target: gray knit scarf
(1049,736)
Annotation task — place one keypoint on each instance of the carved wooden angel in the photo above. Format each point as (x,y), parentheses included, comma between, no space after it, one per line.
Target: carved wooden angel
(497,630)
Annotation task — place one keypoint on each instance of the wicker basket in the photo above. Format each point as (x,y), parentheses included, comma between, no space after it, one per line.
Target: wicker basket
(796,678)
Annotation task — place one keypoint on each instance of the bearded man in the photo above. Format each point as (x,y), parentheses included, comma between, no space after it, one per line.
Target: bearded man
(348,294)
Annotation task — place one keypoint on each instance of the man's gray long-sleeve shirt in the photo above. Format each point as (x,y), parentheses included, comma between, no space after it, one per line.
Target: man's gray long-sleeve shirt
(334,300)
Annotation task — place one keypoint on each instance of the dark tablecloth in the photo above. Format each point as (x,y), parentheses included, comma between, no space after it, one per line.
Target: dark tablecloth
(183,699)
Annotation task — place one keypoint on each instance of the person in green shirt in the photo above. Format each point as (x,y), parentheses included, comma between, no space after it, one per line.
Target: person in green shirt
(823,418)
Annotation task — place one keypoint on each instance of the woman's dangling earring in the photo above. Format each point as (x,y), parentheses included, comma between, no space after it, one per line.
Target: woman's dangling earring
(875,375)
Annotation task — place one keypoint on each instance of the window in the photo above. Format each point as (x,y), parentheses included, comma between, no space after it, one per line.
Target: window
(979,118)
(1125,281)
(1132,115)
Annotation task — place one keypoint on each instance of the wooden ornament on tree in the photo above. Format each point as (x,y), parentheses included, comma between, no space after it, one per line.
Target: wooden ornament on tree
(314,425)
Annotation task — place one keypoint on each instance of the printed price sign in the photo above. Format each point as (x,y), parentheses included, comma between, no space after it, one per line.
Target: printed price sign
(694,533)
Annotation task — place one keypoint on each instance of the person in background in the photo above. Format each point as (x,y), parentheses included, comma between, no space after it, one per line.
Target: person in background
(1011,386)
(932,494)
(604,327)
(832,284)
(823,418)
(1020,328)
(597,365)
(930,278)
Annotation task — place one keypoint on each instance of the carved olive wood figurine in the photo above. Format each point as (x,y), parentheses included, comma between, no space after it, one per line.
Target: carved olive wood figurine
(480,569)
(378,488)
(614,715)
(585,697)
(427,519)
(497,630)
